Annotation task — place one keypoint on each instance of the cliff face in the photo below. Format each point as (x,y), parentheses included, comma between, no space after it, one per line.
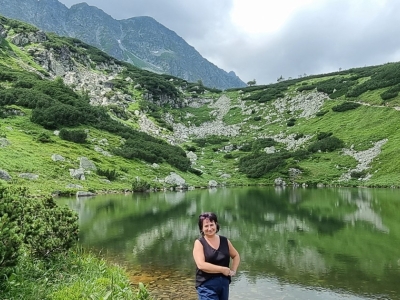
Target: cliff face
(141,41)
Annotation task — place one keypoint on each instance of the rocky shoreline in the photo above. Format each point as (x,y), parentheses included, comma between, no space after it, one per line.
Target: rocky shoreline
(166,284)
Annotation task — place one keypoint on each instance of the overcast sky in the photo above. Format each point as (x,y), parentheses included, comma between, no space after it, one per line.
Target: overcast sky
(264,39)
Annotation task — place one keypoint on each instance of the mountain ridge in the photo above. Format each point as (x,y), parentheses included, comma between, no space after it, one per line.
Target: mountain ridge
(141,41)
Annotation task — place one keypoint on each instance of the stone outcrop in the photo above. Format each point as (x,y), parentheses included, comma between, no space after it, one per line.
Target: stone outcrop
(57,157)
(4,175)
(29,176)
(217,127)
(77,174)
(279,182)
(175,180)
(73,186)
(81,194)
(25,38)
(86,164)
(4,142)
(364,159)
(100,150)
(212,184)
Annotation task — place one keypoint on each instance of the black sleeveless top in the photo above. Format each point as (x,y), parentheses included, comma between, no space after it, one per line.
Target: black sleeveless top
(218,257)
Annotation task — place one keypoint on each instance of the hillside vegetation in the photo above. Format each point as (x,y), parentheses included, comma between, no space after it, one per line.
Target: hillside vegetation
(64,103)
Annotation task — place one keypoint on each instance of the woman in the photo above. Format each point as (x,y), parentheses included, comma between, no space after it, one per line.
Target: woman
(212,254)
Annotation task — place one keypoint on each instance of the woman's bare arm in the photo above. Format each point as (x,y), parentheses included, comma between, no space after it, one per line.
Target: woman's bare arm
(235,257)
(198,255)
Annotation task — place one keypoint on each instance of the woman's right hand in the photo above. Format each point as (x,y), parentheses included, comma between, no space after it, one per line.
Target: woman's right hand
(226,271)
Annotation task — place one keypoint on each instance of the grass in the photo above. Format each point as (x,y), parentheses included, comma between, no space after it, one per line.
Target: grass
(74,275)
(137,61)
(372,97)
(193,116)
(25,57)
(234,116)
(24,155)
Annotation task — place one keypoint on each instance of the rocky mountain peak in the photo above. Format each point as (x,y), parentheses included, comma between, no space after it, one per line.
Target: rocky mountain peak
(141,41)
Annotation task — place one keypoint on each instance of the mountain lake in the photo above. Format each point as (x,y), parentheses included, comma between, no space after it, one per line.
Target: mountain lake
(294,243)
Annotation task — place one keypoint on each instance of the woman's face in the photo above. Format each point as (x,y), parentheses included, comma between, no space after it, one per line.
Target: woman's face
(209,227)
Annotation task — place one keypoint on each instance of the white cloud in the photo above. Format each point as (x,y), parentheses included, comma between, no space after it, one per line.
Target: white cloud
(258,17)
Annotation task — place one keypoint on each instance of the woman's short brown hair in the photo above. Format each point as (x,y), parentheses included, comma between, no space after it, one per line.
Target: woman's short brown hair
(207,215)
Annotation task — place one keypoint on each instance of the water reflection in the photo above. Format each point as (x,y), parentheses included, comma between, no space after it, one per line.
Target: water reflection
(365,211)
(343,242)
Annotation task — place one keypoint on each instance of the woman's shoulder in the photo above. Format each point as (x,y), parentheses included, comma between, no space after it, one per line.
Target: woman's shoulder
(200,239)
(223,238)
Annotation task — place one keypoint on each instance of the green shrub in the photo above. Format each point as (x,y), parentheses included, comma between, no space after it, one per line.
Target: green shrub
(391,93)
(300,154)
(211,140)
(335,87)
(246,147)
(358,174)
(321,113)
(338,93)
(57,115)
(110,174)
(200,142)
(140,186)
(10,243)
(191,148)
(306,87)
(43,137)
(24,84)
(257,165)
(262,143)
(48,228)
(291,122)
(384,76)
(345,106)
(264,93)
(19,26)
(144,147)
(196,171)
(327,144)
(323,135)
(77,136)
(298,136)
(37,226)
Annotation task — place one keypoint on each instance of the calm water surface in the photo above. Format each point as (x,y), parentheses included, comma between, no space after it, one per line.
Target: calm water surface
(294,243)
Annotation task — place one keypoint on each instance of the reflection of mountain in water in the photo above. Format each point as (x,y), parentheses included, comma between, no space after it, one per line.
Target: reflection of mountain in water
(364,213)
